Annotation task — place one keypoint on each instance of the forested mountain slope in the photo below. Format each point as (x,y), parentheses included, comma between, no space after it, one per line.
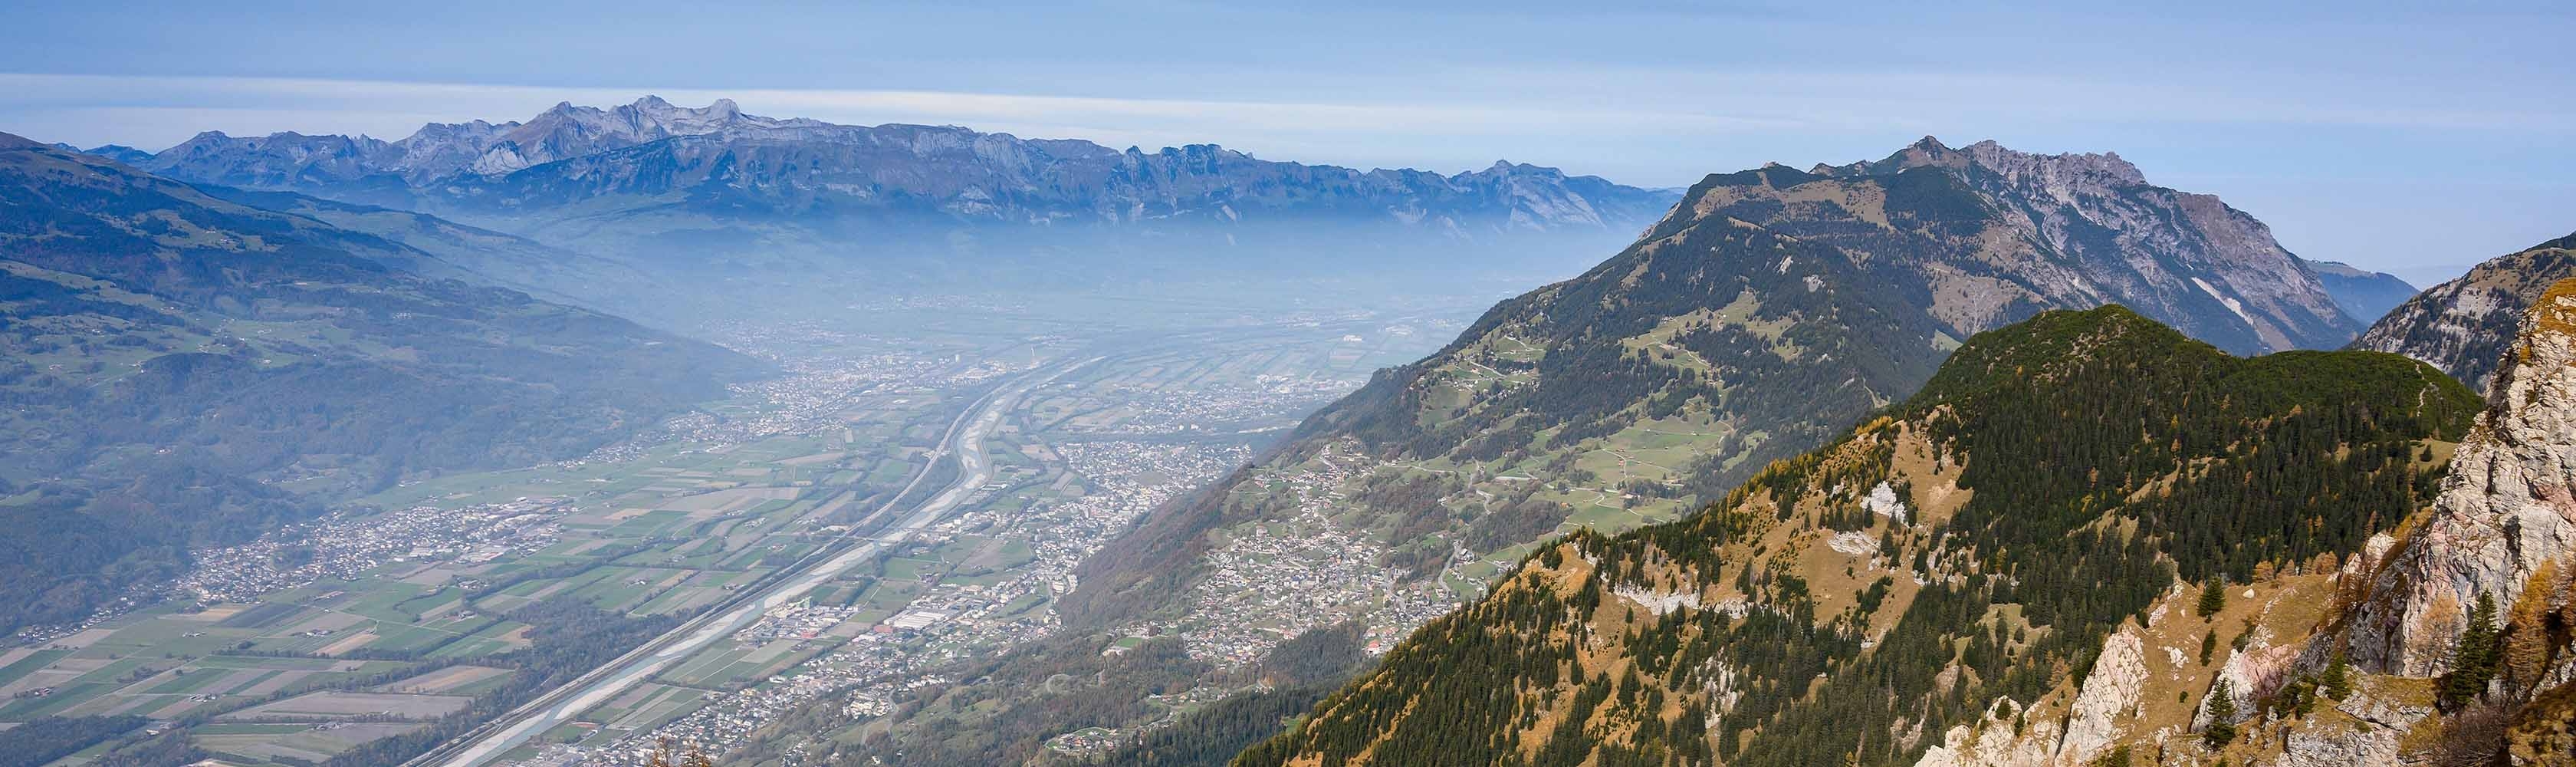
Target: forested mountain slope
(170,354)
(2444,641)
(1675,368)
(1766,312)
(2463,326)
(1975,544)
(475,254)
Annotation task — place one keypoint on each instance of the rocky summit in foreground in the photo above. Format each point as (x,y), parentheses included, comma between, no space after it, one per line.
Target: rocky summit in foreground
(2444,641)
(2464,326)
(2050,555)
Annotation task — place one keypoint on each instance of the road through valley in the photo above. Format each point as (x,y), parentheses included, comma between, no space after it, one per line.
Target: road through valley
(964,441)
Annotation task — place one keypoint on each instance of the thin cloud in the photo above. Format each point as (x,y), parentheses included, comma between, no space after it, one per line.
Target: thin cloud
(157,111)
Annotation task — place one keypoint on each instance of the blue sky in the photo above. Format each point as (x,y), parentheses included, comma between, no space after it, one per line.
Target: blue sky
(2395,137)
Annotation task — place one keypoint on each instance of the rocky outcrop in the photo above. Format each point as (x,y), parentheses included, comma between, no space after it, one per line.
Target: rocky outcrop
(2371,732)
(1992,743)
(2110,693)
(2505,509)
(2465,325)
(2503,526)
(2251,674)
(2090,726)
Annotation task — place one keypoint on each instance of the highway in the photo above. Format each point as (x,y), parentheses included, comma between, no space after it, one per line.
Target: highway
(964,440)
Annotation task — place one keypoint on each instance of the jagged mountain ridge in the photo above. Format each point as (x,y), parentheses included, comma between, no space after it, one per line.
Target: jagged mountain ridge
(170,353)
(439,150)
(2464,326)
(1999,234)
(1979,542)
(640,176)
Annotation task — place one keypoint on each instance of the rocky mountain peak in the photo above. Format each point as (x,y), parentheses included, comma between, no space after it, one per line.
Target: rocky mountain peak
(1998,233)
(651,114)
(2105,168)
(2508,506)
(566,131)
(1924,152)
(1509,168)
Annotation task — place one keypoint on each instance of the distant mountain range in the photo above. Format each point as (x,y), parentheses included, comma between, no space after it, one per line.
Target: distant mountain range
(2364,295)
(172,353)
(713,189)
(768,204)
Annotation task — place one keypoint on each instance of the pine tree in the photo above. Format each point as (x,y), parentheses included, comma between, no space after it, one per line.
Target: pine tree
(2222,716)
(2119,756)
(2526,643)
(2474,660)
(2213,598)
(2337,680)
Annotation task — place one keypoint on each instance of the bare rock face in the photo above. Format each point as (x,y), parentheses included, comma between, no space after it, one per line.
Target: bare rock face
(2381,715)
(2091,725)
(1996,233)
(2464,326)
(2505,509)
(2111,691)
(1992,743)
(2363,747)
(2251,675)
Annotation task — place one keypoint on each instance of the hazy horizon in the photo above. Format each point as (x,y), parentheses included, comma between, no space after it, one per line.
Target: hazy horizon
(2392,139)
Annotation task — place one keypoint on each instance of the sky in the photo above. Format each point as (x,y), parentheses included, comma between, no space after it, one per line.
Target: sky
(2401,138)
